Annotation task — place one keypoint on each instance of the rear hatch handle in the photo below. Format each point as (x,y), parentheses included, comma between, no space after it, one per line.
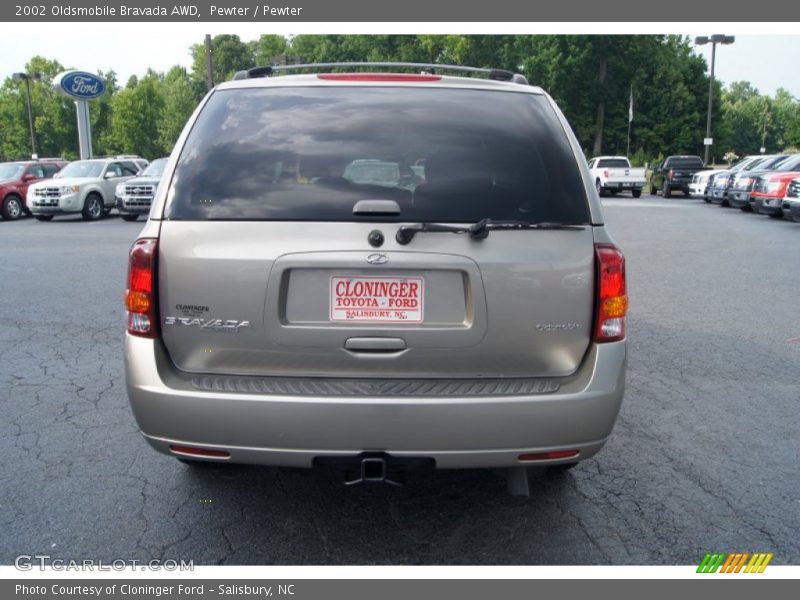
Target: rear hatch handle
(375,345)
(376,207)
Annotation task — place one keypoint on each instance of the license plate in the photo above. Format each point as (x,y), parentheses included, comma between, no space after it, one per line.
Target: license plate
(377,299)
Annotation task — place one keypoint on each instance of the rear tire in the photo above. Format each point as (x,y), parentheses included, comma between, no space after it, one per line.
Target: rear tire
(599,188)
(746,208)
(665,191)
(43,217)
(776,215)
(636,193)
(12,208)
(92,208)
(126,217)
(653,190)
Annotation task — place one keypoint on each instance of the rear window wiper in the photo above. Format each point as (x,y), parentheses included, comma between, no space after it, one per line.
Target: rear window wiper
(477,231)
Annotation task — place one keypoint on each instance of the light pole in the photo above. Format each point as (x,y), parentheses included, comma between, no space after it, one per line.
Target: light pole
(714,40)
(26,77)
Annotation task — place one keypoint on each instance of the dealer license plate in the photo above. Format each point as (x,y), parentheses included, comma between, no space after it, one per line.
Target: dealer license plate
(377,299)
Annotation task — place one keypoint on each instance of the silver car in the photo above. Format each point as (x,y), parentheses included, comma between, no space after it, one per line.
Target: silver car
(282,312)
(84,187)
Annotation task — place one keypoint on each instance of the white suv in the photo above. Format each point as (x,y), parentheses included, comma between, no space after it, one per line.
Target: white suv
(84,186)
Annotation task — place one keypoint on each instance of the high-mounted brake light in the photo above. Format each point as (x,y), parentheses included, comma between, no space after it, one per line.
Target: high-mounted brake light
(379,77)
(612,296)
(140,297)
(669,174)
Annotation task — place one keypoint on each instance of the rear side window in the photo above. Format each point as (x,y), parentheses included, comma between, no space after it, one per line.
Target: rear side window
(300,153)
(685,162)
(37,171)
(129,168)
(613,163)
(790,164)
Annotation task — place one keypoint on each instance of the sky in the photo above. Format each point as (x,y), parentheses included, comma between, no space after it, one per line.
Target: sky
(768,61)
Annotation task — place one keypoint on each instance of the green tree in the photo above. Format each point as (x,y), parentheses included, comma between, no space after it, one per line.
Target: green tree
(228,53)
(266,47)
(179,103)
(136,111)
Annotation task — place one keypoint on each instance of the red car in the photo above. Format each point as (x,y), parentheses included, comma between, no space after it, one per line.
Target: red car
(769,191)
(15,177)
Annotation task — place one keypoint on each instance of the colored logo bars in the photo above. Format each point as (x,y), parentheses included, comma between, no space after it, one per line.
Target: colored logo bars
(735,562)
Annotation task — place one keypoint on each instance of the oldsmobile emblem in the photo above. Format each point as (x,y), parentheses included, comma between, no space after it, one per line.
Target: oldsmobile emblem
(377,258)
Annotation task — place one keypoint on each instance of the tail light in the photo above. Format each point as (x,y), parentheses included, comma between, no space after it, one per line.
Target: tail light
(195,451)
(612,296)
(556,454)
(669,174)
(140,297)
(605,173)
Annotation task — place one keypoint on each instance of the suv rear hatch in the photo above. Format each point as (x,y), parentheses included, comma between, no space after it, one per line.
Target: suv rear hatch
(269,261)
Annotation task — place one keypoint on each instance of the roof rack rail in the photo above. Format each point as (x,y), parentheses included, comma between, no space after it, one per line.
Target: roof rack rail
(495,74)
(116,157)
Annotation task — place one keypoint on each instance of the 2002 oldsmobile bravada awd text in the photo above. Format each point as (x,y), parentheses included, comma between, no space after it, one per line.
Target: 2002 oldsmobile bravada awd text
(457,304)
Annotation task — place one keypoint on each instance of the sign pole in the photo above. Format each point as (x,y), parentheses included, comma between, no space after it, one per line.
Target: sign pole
(84,129)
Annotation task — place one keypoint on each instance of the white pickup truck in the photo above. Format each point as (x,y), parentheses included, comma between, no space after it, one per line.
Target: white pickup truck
(614,174)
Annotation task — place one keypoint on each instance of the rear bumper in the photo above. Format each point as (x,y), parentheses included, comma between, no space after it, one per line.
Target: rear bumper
(683,185)
(697,190)
(791,210)
(718,195)
(457,432)
(70,203)
(739,198)
(624,185)
(769,206)
(131,209)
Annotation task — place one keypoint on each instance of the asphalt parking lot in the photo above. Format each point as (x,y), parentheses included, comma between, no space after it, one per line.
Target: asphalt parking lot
(704,456)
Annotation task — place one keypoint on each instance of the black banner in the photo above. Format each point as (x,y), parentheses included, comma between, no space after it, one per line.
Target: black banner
(472,11)
(388,589)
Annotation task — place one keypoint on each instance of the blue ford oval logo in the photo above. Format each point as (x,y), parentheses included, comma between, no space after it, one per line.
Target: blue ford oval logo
(81,85)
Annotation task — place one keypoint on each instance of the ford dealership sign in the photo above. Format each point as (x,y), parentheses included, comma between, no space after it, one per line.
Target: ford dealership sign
(79,85)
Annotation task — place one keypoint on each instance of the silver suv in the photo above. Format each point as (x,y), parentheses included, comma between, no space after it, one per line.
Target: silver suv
(85,187)
(466,312)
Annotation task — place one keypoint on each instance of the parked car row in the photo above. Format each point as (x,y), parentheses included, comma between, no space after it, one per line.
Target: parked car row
(48,187)
(764,184)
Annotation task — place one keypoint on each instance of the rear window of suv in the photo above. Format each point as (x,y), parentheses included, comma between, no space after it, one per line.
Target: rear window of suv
(613,163)
(685,162)
(311,153)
